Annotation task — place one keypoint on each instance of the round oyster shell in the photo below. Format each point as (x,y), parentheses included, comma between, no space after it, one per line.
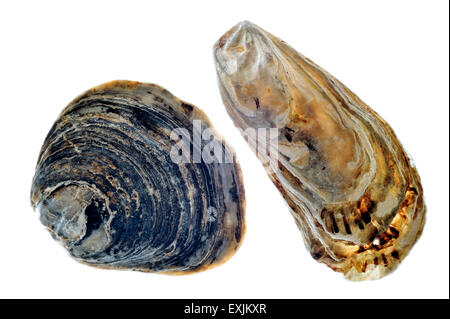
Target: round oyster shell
(353,191)
(108,189)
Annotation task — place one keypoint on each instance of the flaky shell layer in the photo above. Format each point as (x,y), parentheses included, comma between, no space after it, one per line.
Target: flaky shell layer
(352,189)
(108,189)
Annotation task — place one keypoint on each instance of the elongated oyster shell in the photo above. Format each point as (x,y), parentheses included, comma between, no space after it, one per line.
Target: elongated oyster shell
(108,189)
(351,188)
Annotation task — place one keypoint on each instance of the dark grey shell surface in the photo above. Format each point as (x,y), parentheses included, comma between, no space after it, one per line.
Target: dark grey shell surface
(108,190)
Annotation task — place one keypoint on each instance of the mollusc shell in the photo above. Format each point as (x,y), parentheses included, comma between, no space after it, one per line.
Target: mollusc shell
(109,191)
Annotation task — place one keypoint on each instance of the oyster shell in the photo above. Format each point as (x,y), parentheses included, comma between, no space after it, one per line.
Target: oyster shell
(353,191)
(108,189)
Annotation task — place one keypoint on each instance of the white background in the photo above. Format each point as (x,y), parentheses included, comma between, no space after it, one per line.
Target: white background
(393,54)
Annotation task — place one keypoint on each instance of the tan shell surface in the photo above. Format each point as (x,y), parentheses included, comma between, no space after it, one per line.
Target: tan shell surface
(352,189)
